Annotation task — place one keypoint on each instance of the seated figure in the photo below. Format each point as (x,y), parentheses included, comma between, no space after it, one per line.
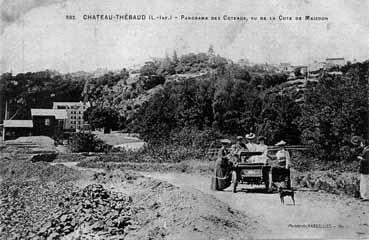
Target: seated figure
(237,149)
(261,147)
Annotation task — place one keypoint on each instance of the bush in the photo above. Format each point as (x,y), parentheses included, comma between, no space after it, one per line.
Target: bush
(86,142)
(193,137)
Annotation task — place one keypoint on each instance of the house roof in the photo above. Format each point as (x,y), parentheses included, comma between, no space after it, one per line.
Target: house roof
(57,113)
(340,58)
(69,104)
(18,123)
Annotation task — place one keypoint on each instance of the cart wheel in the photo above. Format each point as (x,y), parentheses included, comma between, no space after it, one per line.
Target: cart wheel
(269,183)
(234,181)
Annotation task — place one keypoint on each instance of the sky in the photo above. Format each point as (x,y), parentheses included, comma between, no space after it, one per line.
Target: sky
(35,34)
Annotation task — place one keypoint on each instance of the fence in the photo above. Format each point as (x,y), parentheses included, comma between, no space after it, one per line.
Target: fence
(212,152)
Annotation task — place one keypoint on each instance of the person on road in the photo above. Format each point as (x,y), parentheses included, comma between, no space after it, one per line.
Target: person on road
(237,148)
(223,169)
(284,163)
(224,149)
(363,168)
(261,147)
(283,156)
(251,146)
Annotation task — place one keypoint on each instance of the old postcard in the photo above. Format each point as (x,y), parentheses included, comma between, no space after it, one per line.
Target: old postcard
(168,119)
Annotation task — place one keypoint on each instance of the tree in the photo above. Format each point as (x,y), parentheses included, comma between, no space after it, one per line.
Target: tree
(335,109)
(155,119)
(278,119)
(86,142)
(211,51)
(166,67)
(106,118)
(149,68)
(175,57)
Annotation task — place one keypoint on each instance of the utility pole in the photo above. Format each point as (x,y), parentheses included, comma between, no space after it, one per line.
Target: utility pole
(5,117)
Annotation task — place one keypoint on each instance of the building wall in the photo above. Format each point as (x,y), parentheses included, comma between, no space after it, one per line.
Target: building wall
(14,133)
(335,62)
(75,114)
(46,126)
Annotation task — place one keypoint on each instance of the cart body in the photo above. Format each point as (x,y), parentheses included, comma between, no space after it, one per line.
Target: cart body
(256,173)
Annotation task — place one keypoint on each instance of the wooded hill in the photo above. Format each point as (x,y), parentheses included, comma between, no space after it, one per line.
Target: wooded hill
(205,92)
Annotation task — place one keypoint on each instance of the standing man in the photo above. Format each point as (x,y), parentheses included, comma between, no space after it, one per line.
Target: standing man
(364,167)
(284,163)
(283,156)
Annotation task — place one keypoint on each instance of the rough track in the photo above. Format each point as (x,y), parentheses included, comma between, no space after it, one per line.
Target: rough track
(338,216)
(316,215)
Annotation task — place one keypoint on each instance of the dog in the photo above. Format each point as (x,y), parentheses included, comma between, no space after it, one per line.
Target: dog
(286,192)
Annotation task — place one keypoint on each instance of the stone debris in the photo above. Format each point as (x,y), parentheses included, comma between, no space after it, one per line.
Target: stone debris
(42,212)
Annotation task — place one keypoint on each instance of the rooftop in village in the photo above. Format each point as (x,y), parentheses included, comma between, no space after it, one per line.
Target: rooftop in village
(341,58)
(71,103)
(57,113)
(18,124)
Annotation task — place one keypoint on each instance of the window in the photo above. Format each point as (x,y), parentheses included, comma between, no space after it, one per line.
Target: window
(47,121)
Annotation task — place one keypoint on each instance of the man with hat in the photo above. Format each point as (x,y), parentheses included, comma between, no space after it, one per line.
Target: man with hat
(261,147)
(364,167)
(251,146)
(283,156)
(237,148)
(223,151)
(284,163)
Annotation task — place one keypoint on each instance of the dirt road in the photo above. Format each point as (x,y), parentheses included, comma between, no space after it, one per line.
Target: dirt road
(315,215)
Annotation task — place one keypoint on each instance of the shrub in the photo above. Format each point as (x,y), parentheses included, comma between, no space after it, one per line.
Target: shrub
(86,142)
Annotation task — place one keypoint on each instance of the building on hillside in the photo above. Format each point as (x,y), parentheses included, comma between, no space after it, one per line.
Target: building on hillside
(48,122)
(75,112)
(13,129)
(316,67)
(333,62)
(285,67)
(244,62)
